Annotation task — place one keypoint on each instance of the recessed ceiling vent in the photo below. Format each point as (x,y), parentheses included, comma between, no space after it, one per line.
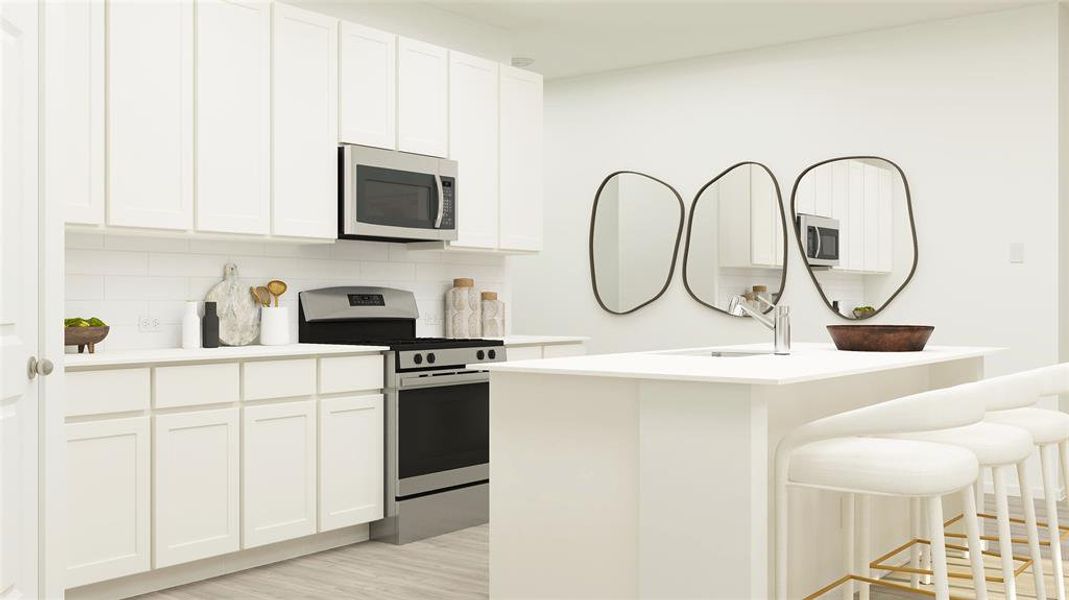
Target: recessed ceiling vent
(522,61)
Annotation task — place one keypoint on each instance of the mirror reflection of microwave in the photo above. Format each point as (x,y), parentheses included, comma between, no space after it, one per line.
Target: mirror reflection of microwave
(395,196)
(820,237)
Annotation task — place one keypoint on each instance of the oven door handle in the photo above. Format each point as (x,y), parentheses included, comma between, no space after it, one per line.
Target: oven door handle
(441,202)
(411,382)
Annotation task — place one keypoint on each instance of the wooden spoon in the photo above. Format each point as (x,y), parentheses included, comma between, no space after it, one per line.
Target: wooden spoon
(276,288)
(262,295)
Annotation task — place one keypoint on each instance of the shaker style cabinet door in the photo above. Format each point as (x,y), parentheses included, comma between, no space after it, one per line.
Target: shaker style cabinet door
(279,481)
(108,499)
(367,86)
(521,159)
(196,485)
(233,116)
(422,98)
(473,132)
(350,461)
(304,84)
(150,114)
(74,108)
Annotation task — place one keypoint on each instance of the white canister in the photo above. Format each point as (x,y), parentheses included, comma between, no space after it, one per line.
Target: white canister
(462,310)
(274,326)
(191,326)
(493,315)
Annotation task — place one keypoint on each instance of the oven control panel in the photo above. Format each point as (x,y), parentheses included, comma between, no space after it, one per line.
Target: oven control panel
(443,358)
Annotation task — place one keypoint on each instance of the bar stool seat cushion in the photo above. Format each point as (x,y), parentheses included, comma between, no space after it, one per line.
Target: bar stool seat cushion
(883,466)
(992,443)
(1046,426)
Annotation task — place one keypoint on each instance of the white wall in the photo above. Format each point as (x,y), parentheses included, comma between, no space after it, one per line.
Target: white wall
(120,278)
(968,108)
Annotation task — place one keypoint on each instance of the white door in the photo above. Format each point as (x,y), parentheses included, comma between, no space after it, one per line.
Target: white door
(233,138)
(422,98)
(521,160)
(279,479)
(304,83)
(367,86)
(351,461)
(108,488)
(473,144)
(196,487)
(150,114)
(19,471)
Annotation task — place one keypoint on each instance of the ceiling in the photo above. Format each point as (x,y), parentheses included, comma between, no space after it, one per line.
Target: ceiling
(569,38)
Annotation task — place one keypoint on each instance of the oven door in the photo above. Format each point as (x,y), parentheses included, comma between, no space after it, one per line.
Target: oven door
(441,433)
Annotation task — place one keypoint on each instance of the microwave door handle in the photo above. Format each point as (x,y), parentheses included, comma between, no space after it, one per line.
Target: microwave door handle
(441,202)
(816,230)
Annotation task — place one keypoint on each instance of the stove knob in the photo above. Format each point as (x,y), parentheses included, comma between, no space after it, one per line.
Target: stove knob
(431,358)
(480,355)
(492,354)
(418,359)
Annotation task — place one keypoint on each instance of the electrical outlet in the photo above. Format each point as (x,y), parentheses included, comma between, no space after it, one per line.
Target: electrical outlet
(148,323)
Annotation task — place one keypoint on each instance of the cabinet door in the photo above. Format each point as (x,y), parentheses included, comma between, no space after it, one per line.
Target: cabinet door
(473,132)
(107,499)
(521,160)
(196,485)
(279,480)
(305,123)
(350,461)
(422,98)
(367,86)
(233,116)
(764,216)
(150,114)
(74,108)
(872,218)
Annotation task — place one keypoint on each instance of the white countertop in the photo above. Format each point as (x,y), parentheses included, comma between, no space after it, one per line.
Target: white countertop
(542,340)
(223,353)
(807,362)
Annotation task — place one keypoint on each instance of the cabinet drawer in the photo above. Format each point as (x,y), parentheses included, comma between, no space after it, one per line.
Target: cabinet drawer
(101,392)
(562,350)
(279,378)
(196,384)
(523,352)
(350,374)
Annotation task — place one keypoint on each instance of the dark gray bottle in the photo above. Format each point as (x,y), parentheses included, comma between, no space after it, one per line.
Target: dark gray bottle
(210,326)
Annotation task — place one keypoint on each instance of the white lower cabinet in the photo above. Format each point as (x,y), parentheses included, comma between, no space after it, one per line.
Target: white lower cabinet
(279,479)
(196,470)
(107,499)
(351,461)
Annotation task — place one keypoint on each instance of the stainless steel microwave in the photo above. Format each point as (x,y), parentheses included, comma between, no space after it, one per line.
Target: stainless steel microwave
(820,237)
(395,196)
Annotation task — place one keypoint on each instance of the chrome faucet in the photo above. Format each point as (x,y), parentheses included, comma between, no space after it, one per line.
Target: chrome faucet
(780,323)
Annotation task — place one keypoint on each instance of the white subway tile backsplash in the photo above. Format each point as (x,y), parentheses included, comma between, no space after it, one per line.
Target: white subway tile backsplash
(388,271)
(118,287)
(85,287)
(360,250)
(106,262)
(227,247)
(186,265)
(112,312)
(86,240)
(145,243)
(401,253)
(298,250)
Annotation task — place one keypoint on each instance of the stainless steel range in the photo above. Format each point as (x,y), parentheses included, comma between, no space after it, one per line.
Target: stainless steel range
(437,408)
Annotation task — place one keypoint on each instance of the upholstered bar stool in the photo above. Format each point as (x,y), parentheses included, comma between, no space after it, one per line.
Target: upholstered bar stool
(837,453)
(999,448)
(1050,434)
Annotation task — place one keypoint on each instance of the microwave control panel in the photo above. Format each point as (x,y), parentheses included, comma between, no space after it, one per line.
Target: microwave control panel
(449,200)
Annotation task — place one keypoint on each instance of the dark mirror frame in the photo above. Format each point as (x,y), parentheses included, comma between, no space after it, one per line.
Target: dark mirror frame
(675,248)
(690,227)
(801,246)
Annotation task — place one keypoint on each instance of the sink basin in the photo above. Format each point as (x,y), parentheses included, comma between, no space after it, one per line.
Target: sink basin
(719,353)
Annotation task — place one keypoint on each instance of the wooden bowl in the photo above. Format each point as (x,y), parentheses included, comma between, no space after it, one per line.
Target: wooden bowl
(880,338)
(85,336)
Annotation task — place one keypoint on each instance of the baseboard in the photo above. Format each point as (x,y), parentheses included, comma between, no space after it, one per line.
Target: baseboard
(168,577)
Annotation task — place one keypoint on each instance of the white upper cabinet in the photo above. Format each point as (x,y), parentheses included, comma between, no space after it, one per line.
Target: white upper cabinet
(305,123)
(74,108)
(367,86)
(422,98)
(233,125)
(473,126)
(150,114)
(521,160)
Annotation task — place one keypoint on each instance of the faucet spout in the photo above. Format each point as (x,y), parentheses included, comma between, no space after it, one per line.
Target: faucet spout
(780,323)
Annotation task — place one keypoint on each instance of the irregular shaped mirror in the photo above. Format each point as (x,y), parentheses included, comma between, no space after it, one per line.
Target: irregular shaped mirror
(737,241)
(634,239)
(853,219)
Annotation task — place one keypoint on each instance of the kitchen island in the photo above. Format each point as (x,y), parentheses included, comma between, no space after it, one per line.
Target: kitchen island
(650,474)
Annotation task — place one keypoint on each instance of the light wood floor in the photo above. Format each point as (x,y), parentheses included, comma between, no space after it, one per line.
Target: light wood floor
(449,567)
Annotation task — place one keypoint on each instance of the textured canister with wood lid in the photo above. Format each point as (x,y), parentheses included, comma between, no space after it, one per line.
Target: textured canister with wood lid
(462,310)
(493,315)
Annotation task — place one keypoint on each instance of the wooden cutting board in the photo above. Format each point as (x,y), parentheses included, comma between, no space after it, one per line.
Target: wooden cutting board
(239,315)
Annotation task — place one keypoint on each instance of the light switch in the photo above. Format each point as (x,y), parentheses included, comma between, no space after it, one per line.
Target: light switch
(1016,252)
